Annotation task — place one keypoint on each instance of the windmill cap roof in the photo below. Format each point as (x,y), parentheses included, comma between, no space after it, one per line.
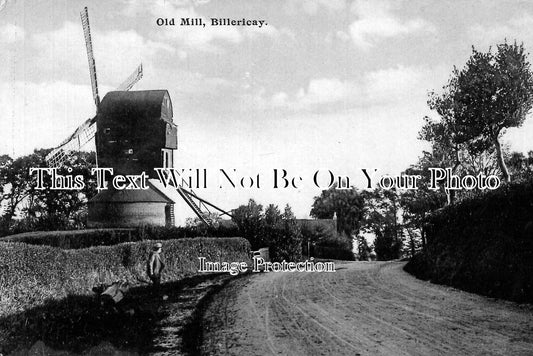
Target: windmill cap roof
(145,103)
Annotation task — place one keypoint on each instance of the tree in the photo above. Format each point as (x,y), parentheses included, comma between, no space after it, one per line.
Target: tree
(16,181)
(272,215)
(381,217)
(286,237)
(520,166)
(278,231)
(196,222)
(43,209)
(493,92)
(416,204)
(346,203)
(363,250)
(249,219)
(387,245)
(57,207)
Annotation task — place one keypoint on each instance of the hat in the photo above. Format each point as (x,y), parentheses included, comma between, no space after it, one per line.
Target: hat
(158,245)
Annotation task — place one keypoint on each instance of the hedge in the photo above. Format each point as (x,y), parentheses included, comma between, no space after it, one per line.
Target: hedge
(29,274)
(75,239)
(483,244)
(333,253)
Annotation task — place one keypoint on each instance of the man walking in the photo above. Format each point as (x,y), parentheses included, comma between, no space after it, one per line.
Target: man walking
(155,266)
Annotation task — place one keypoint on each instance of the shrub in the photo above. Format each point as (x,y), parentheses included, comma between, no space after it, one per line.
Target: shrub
(284,241)
(31,274)
(278,231)
(483,244)
(325,241)
(333,253)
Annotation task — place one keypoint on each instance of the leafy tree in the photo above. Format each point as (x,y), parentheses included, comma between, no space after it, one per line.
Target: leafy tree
(272,215)
(16,181)
(55,208)
(323,235)
(387,245)
(363,250)
(416,204)
(494,91)
(43,209)
(278,231)
(197,223)
(346,203)
(381,217)
(520,166)
(447,150)
(249,218)
(286,237)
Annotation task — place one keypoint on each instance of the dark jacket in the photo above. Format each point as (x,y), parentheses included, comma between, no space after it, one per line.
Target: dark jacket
(155,265)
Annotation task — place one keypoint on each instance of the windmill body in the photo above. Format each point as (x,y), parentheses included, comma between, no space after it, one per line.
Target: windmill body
(135,134)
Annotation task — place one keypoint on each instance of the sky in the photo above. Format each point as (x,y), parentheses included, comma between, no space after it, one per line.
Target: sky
(327,85)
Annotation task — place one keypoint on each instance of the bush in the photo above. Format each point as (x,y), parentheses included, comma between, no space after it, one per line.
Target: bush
(325,241)
(483,244)
(270,228)
(418,265)
(333,253)
(284,241)
(31,274)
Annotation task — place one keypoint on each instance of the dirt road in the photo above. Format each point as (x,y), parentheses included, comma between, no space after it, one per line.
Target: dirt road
(365,308)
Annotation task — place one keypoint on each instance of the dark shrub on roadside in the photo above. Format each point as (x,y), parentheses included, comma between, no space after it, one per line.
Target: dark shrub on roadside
(284,241)
(483,245)
(325,242)
(332,253)
(418,265)
(270,228)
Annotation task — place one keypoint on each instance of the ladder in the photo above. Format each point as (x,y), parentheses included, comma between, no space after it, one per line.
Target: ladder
(201,209)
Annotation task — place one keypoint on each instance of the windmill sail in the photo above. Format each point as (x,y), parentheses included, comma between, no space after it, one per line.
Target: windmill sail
(86,132)
(132,79)
(74,142)
(90,56)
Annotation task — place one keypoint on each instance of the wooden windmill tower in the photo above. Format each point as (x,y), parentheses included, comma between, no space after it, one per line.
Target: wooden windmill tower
(135,133)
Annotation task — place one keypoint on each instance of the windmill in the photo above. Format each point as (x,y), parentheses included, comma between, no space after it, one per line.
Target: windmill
(134,132)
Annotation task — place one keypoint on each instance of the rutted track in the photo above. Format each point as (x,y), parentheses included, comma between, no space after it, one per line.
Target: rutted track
(364,308)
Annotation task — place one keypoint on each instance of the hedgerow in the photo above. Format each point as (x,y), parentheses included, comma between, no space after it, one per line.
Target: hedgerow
(30,274)
(75,239)
(483,244)
(332,252)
